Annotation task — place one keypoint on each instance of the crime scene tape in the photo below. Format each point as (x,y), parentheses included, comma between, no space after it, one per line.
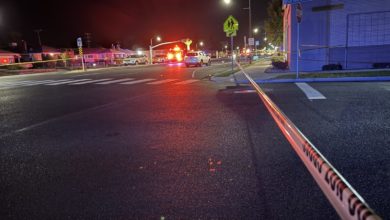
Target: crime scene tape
(33,62)
(343,197)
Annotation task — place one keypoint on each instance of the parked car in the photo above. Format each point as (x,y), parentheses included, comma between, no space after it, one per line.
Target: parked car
(159,59)
(135,60)
(197,58)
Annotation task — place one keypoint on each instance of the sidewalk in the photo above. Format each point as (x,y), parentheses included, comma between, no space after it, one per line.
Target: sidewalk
(259,71)
(256,71)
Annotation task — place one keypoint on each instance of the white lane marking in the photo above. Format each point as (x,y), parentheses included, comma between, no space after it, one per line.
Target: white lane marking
(15,83)
(33,83)
(91,81)
(245,91)
(310,92)
(20,84)
(66,82)
(193,73)
(115,81)
(42,82)
(385,86)
(187,82)
(162,81)
(137,81)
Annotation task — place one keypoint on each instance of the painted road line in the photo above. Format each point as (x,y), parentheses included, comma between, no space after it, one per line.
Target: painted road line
(42,82)
(310,92)
(162,81)
(57,81)
(115,81)
(33,83)
(66,82)
(91,81)
(137,81)
(245,91)
(187,82)
(19,84)
(15,83)
(193,73)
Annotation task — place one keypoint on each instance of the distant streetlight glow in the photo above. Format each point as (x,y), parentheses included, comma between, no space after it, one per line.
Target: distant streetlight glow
(227,2)
(265,39)
(158,38)
(201,43)
(139,52)
(256,30)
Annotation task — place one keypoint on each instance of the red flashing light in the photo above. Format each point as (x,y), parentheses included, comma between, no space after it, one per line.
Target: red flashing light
(179,57)
(170,56)
(177,48)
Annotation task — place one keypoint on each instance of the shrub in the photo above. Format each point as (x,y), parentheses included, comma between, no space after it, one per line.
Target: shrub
(380,65)
(280,65)
(332,67)
(14,67)
(277,59)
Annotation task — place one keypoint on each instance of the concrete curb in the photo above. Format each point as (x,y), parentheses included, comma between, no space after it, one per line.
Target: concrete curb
(319,80)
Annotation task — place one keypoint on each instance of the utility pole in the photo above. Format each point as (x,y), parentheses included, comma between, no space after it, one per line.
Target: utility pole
(88,41)
(38,31)
(250,18)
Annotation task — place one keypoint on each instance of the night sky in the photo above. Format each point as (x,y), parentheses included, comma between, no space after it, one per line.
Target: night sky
(132,23)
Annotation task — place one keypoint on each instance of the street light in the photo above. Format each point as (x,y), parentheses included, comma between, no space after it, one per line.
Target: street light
(265,39)
(200,43)
(158,38)
(227,2)
(255,31)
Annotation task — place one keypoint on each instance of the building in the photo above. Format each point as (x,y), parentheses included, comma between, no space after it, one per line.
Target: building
(7,57)
(353,33)
(103,56)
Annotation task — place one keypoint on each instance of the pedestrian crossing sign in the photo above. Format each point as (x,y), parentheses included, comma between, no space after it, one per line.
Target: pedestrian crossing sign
(230,27)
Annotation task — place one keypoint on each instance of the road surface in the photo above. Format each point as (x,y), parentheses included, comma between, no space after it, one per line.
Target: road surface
(161,142)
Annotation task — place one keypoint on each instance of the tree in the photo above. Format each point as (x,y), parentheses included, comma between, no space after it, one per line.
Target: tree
(274,23)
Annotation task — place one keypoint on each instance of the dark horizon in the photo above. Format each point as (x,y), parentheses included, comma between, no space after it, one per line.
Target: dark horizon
(131,23)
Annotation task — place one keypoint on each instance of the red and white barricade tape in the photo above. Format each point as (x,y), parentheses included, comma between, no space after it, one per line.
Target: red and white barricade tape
(347,202)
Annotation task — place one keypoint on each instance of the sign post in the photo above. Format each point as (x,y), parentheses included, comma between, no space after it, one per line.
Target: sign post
(80,46)
(230,27)
(299,12)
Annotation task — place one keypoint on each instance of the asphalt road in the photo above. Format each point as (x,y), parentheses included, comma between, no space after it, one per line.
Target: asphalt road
(167,145)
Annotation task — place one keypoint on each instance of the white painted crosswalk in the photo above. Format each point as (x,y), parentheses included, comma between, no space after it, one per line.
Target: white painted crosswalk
(115,81)
(187,82)
(310,92)
(67,82)
(100,82)
(162,82)
(137,81)
(90,81)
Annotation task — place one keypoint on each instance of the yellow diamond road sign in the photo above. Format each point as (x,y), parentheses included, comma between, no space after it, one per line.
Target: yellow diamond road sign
(230,27)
